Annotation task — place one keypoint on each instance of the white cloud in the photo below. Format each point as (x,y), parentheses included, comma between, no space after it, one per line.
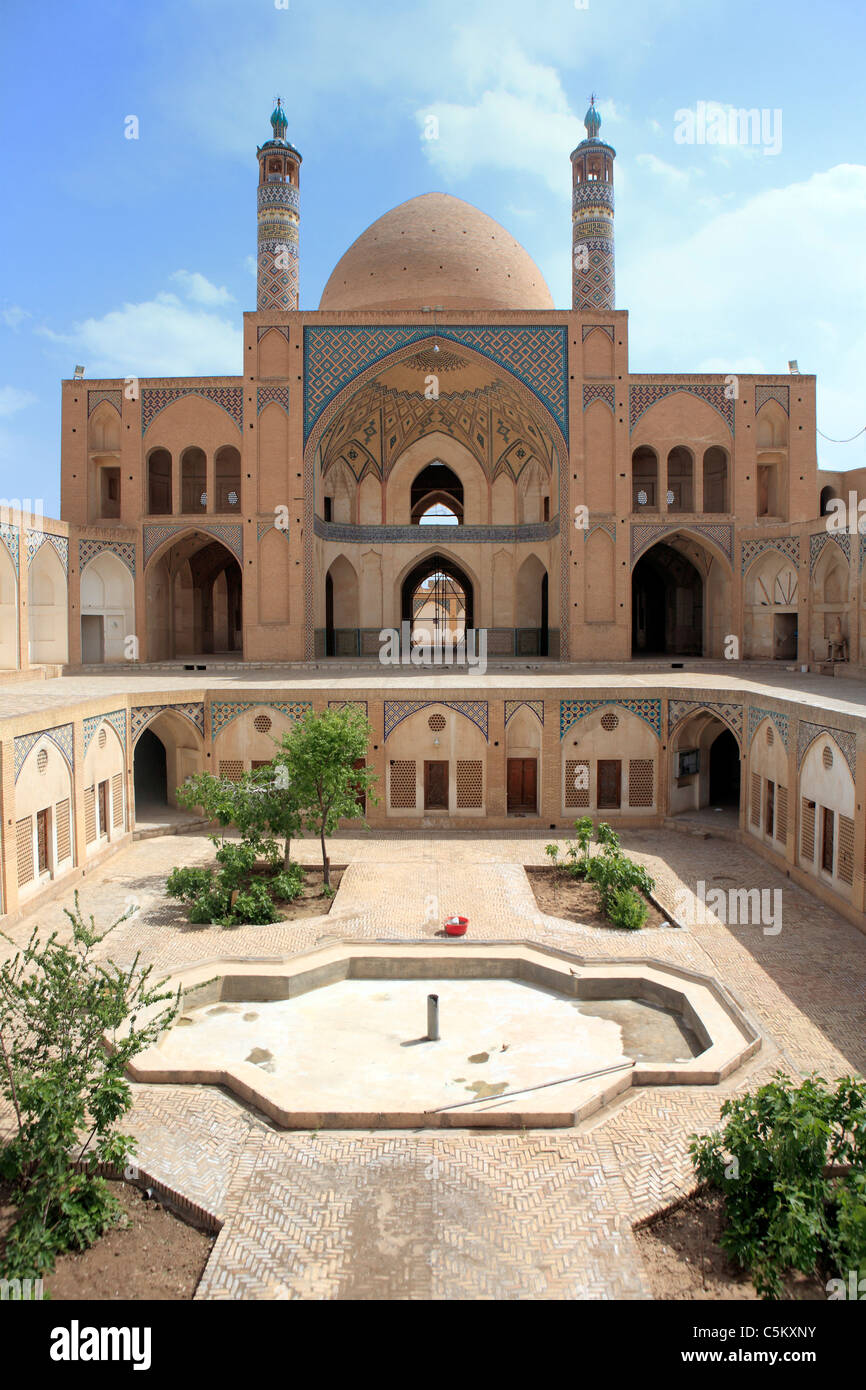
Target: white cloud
(14,315)
(162,336)
(654,165)
(12,399)
(197,287)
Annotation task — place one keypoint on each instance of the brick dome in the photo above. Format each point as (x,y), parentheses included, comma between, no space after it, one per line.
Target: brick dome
(436,250)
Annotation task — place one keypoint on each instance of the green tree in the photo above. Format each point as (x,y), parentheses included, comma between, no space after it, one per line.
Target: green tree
(64,1051)
(321,756)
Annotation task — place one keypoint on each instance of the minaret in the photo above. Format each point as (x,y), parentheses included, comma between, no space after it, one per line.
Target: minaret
(592,267)
(279,215)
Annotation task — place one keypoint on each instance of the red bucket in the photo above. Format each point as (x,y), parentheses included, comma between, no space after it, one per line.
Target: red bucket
(456,926)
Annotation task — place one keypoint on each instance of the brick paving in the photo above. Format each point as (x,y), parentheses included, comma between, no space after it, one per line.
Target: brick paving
(530,1215)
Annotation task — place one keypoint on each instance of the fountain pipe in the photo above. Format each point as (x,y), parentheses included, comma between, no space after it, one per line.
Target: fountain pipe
(432,1017)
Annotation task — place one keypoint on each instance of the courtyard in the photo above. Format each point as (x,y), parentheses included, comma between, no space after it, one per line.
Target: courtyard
(373,1214)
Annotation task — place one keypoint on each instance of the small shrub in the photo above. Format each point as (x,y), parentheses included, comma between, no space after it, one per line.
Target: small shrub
(288,884)
(627,909)
(254,904)
(189,884)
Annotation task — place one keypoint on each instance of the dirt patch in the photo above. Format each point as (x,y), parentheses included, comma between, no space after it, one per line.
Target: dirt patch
(312,902)
(575,899)
(683,1259)
(155,1255)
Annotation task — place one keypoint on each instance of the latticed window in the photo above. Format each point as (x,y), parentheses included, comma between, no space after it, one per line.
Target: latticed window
(609,721)
(117,800)
(807,830)
(576,782)
(470,784)
(24,849)
(403,794)
(845,852)
(64,838)
(89,814)
(755,802)
(782,813)
(231,769)
(641,782)
(262,723)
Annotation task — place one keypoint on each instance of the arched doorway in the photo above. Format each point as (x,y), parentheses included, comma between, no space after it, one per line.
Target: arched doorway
(667,604)
(341,609)
(531,616)
(194,600)
(437,597)
(436,496)
(725,771)
(150,778)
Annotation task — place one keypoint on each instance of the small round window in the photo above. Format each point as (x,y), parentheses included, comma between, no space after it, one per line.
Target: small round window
(436,722)
(262,723)
(827,756)
(609,721)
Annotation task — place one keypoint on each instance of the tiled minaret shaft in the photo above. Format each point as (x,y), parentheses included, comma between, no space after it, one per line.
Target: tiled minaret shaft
(593,269)
(279,215)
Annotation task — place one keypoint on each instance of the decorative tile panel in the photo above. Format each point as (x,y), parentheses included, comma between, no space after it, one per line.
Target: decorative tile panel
(124,550)
(593,327)
(35,541)
(60,735)
(334,356)
(141,716)
(572,711)
(95,398)
(608,526)
(156,398)
(117,720)
(772,393)
(729,713)
(349,704)
(757,715)
(427,535)
(598,392)
(789,546)
(645,534)
(266,394)
(9,535)
(223,712)
(817,543)
(398,710)
(229,532)
(264,328)
(641,396)
(807,733)
(512,706)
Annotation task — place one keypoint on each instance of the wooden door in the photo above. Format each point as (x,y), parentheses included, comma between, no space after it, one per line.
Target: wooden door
(435,786)
(522,784)
(827,841)
(770,808)
(42,841)
(609,781)
(103,808)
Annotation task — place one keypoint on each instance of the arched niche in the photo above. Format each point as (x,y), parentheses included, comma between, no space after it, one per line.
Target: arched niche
(8,612)
(47,607)
(107,609)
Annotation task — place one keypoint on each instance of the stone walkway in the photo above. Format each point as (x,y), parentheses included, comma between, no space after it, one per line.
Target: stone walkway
(432,1215)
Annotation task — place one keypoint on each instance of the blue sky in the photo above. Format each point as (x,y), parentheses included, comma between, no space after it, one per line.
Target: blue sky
(134,257)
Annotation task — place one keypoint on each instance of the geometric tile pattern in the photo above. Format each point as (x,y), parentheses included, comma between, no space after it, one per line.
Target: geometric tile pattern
(608,526)
(772,393)
(644,534)
(349,704)
(94,398)
(598,392)
(230,533)
(644,395)
(271,328)
(124,550)
(756,715)
(262,527)
(61,735)
(117,720)
(728,712)
(817,543)
(36,539)
(592,327)
(156,398)
(223,712)
(351,534)
(141,715)
(334,356)
(398,710)
(789,546)
(570,711)
(845,740)
(9,535)
(512,706)
(266,394)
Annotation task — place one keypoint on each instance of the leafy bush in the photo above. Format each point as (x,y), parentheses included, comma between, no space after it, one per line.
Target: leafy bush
(66,1089)
(614,872)
(189,883)
(254,904)
(627,909)
(784,1211)
(288,884)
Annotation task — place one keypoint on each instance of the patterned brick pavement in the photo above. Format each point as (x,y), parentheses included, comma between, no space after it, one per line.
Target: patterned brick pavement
(465,1215)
